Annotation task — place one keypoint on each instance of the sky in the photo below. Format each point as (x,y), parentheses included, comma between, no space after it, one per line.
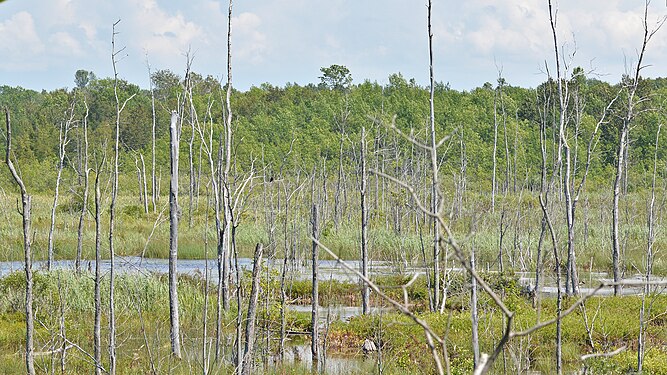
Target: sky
(44,42)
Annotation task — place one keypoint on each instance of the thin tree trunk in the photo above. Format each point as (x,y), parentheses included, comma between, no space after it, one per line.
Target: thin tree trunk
(435,198)
(84,205)
(143,176)
(643,321)
(62,144)
(175,136)
(97,335)
(26,203)
(473,311)
(314,317)
(154,188)
(622,148)
(365,300)
(226,201)
(252,311)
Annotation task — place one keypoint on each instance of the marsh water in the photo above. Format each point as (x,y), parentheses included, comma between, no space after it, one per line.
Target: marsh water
(328,270)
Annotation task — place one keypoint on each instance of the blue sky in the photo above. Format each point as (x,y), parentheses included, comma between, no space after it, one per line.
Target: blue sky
(43,42)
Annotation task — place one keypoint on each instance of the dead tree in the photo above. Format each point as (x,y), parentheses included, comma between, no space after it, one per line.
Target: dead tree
(364,224)
(436,204)
(314,316)
(224,254)
(85,171)
(26,206)
(154,188)
(97,336)
(175,136)
(252,311)
(145,185)
(641,344)
(621,155)
(114,195)
(63,140)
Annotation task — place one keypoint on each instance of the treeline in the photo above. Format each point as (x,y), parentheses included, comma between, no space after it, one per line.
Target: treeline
(298,127)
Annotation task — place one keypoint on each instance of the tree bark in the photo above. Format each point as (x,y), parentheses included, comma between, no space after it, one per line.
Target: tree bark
(63,140)
(314,317)
(175,136)
(26,203)
(97,335)
(435,191)
(252,311)
(84,205)
(365,300)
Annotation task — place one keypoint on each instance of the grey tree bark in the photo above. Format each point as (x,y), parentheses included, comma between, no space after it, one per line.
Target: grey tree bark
(84,206)
(112,209)
(63,140)
(252,311)
(314,316)
(225,255)
(154,188)
(365,291)
(26,206)
(435,191)
(621,154)
(641,341)
(175,136)
(97,335)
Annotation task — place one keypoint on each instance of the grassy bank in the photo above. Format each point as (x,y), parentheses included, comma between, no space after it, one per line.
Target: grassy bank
(143,327)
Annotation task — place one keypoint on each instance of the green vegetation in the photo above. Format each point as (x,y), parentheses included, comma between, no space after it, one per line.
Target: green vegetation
(141,303)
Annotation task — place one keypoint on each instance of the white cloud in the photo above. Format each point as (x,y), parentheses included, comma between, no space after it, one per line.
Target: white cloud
(64,44)
(20,45)
(248,42)
(162,34)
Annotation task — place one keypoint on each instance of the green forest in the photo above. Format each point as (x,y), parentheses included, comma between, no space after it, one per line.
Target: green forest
(313,120)
(339,227)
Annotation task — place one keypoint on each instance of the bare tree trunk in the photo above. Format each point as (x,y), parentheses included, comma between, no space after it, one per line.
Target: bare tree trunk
(112,209)
(63,140)
(495,150)
(239,305)
(84,206)
(473,311)
(314,317)
(226,198)
(623,144)
(435,191)
(559,293)
(204,353)
(252,311)
(143,176)
(643,321)
(154,188)
(97,335)
(571,279)
(191,190)
(175,136)
(365,300)
(26,203)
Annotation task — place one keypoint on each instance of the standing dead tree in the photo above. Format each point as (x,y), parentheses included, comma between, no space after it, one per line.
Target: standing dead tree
(650,241)
(631,85)
(436,199)
(97,336)
(252,312)
(175,136)
(63,140)
(26,206)
(314,316)
(114,194)
(154,189)
(85,171)
(365,300)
